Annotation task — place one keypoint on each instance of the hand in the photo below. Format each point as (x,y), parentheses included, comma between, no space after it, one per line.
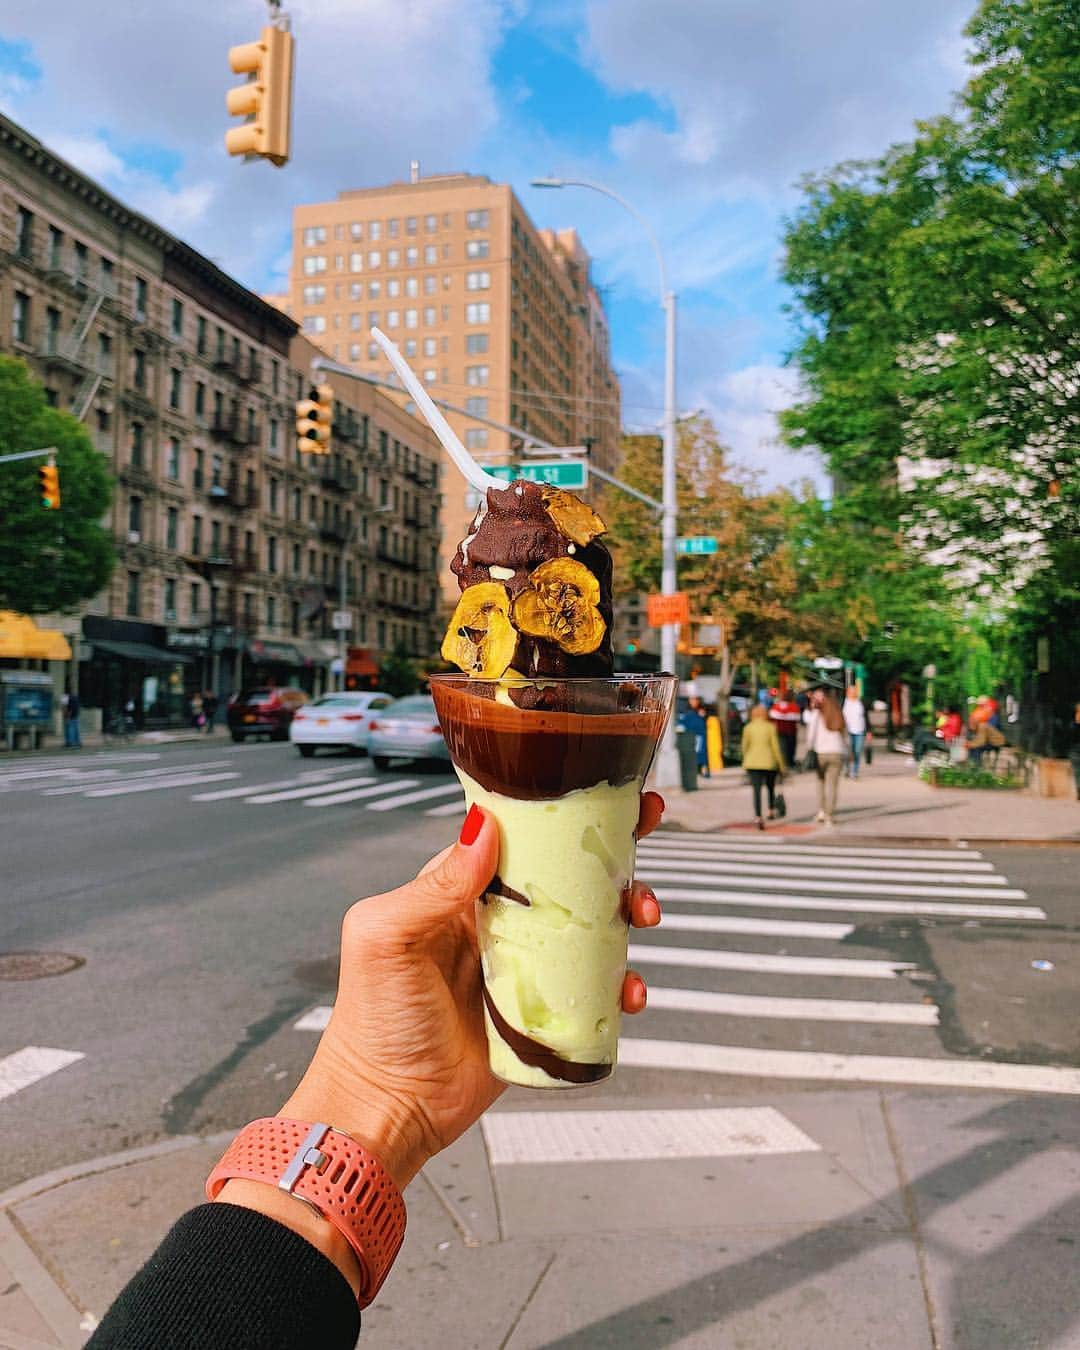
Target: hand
(403,1064)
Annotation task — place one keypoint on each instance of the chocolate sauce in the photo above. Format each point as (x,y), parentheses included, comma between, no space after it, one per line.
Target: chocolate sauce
(498,887)
(533,754)
(539,1056)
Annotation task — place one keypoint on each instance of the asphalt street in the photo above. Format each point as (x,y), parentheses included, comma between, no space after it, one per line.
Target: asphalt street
(199,889)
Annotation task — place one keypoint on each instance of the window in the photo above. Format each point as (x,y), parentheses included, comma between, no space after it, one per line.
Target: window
(431,254)
(200,335)
(200,399)
(447,281)
(393,228)
(24,232)
(476,344)
(172,527)
(271,612)
(104,344)
(412,256)
(215,539)
(393,288)
(356,290)
(374,290)
(477,248)
(314,323)
(431,375)
(177,319)
(141,292)
(410,318)
(375,230)
(393,318)
(476,406)
(314,294)
(138,369)
(410,224)
(271,554)
(275,493)
(412,286)
(372,350)
(373,318)
(431,224)
(476,438)
(135,515)
(478,313)
(431,283)
(170,598)
(477,281)
(314,263)
(107,277)
(374,258)
(356,262)
(314,234)
(354,351)
(175,382)
(274,425)
(196,534)
(477,220)
(20,317)
(477,375)
(430,346)
(197,470)
(429,316)
(393,257)
(355,322)
(133,593)
(56,247)
(217,471)
(136,455)
(52,330)
(172,460)
(410,346)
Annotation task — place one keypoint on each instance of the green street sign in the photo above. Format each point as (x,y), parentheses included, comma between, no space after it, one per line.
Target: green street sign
(700,543)
(564,473)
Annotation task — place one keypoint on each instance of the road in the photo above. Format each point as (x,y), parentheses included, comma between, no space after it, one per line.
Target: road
(199,889)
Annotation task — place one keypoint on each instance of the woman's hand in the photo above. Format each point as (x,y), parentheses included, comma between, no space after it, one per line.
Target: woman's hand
(403,1064)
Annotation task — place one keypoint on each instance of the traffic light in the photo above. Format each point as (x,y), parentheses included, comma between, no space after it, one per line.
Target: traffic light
(49,486)
(265,101)
(315,420)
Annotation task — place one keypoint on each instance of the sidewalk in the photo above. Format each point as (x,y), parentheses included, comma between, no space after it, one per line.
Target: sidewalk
(887,801)
(95,740)
(900,1220)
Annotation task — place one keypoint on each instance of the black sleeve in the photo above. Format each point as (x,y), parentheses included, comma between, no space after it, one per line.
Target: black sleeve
(232,1278)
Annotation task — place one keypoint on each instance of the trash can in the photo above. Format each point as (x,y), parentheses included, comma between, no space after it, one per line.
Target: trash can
(685,742)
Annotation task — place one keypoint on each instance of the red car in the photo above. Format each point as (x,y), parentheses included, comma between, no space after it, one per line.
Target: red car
(263,712)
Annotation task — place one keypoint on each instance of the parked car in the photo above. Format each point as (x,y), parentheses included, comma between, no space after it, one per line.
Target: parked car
(263,712)
(337,721)
(407,729)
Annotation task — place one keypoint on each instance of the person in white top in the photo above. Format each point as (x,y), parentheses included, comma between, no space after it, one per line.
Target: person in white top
(826,735)
(855,721)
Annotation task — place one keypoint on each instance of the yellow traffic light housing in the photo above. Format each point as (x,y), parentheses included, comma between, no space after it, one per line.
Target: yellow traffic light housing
(315,421)
(265,101)
(49,486)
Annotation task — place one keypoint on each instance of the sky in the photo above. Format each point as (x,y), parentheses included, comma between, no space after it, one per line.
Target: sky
(703,114)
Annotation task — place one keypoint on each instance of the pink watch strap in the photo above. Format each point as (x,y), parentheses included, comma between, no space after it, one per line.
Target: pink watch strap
(333,1175)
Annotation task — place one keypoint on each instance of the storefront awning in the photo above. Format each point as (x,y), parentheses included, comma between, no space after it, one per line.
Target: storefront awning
(22,640)
(142,651)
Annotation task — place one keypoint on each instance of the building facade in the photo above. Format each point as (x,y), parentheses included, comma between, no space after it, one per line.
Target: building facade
(499,319)
(234,551)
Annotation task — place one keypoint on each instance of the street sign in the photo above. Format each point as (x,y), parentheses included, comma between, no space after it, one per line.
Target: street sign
(341,620)
(710,635)
(701,543)
(665,609)
(564,473)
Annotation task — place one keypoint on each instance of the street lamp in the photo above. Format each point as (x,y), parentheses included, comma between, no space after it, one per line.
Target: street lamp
(667,769)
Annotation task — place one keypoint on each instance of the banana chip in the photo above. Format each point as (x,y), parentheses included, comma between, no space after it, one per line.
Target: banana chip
(573,517)
(481,639)
(559,604)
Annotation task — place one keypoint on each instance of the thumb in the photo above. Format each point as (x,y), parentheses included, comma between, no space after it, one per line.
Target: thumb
(449,882)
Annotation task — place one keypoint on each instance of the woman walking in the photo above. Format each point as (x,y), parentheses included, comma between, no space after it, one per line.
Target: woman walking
(826,736)
(762,759)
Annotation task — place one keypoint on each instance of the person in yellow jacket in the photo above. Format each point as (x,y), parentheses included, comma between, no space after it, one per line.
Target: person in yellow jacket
(762,759)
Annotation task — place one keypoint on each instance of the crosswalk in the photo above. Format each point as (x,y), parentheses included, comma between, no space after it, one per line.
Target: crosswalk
(753,975)
(226,779)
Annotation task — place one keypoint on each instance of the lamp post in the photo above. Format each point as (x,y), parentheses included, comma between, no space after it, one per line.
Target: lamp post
(667,766)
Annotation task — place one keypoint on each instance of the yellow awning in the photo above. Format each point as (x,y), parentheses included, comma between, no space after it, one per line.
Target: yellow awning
(22,640)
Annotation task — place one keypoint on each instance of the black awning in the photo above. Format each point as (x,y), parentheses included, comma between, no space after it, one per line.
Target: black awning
(142,651)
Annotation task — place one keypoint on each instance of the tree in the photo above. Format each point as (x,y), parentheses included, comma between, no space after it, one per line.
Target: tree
(397,672)
(49,560)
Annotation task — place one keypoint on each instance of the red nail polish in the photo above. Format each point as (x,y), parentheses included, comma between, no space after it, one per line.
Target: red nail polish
(474,823)
(663,804)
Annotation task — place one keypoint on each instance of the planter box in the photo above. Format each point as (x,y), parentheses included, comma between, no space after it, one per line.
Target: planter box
(1054,778)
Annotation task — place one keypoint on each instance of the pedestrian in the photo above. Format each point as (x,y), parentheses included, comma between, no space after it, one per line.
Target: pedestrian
(984,737)
(400,1072)
(210,707)
(855,721)
(786,715)
(762,759)
(826,736)
(694,719)
(72,732)
(197,716)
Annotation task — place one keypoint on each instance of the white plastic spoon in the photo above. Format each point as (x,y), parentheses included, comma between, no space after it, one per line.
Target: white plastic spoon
(473,474)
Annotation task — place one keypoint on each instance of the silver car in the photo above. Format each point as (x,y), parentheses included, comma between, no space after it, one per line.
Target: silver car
(407,729)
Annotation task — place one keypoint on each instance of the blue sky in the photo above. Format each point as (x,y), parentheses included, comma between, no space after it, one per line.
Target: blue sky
(703,113)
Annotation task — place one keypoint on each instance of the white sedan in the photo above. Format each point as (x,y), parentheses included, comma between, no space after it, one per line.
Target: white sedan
(337,721)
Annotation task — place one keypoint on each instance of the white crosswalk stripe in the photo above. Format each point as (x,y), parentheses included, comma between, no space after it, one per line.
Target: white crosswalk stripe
(796,856)
(426,794)
(160,784)
(372,790)
(107,776)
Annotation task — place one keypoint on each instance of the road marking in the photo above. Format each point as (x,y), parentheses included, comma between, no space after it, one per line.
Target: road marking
(763,963)
(765,871)
(318,1019)
(296,794)
(31,1064)
(665,873)
(372,790)
(425,794)
(765,900)
(797,1009)
(319,776)
(159,784)
(770,845)
(115,776)
(712,923)
(662,852)
(639,1136)
(752,1062)
(450,809)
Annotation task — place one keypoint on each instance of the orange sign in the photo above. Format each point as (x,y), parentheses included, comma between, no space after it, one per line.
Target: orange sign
(665,609)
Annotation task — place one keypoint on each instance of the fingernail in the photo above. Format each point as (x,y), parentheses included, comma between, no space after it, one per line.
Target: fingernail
(474,823)
(663,804)
(650,910)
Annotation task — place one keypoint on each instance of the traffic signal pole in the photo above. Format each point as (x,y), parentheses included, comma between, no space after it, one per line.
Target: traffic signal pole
(29,454)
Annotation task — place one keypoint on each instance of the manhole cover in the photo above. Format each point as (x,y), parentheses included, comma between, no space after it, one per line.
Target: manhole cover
(36,965)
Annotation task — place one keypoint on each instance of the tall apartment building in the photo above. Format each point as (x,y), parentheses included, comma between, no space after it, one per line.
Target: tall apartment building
(230,544)
(498,318)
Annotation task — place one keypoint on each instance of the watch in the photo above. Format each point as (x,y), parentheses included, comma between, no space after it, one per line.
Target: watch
(334,1176)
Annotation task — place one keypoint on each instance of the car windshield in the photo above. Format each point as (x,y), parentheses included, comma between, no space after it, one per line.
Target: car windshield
(419,705)
(347,700)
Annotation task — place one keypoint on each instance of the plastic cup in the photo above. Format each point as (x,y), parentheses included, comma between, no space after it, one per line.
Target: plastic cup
(563,781)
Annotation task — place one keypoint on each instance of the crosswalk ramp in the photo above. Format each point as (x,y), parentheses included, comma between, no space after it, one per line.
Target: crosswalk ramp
(783,960)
